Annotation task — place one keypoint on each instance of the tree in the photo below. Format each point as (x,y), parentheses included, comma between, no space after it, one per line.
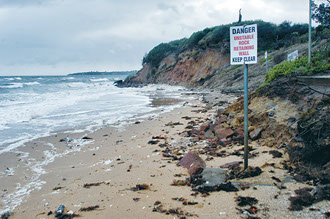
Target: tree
(321,13)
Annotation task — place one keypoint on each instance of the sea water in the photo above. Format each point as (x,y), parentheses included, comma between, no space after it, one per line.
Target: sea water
(37,106)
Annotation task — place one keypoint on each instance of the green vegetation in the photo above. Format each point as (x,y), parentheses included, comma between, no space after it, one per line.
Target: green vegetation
(270,37)
(264,60)
(320,62)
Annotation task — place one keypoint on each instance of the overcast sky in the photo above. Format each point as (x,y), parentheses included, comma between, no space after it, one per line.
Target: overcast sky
(51,37)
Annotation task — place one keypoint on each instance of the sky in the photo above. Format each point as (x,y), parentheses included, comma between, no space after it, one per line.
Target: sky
(56,37)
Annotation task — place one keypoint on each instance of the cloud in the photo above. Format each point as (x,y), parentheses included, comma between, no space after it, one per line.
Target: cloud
(61,36)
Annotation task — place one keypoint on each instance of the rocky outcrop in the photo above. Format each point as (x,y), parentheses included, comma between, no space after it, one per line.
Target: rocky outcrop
(189,68)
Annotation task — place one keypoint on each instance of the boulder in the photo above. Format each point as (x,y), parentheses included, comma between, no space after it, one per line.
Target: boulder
(255,134)
(193,163)
(204,127)
(221,132)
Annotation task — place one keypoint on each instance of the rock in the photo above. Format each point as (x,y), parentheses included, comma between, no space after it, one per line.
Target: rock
(209,134)
(224,142)
(214,176)
(254,135)
(204,127)
(231,164)
(276,154)
(271,114)
(223,132)
(193,163)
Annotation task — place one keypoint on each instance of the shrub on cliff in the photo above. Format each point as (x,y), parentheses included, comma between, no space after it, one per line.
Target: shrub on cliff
(320,62)
(270,37)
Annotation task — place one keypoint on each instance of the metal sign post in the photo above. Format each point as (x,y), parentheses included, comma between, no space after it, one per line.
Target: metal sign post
(310,32)
(246,118)
(266,57)
(243,50)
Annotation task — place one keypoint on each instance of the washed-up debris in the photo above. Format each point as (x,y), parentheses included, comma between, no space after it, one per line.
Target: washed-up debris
(6,215)
(67,140)
(185,201)
(179,183)
(139,187)
(173,123)
(153,142)
(186,117)
(137,122)
(88,185)
(227,187)
(57,188)
(276,154)
(87,138)
(59,213)
(276,179)
(158,207)
(90,208)
(49,213)
(240,173)
(244,201)
(193,163)
(136,199)
(129,168)
(158,137)
(267,164)
(179,174)
(303,199)
(163,145)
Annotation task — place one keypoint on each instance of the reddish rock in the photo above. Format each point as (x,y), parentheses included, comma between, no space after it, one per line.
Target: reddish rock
(224,142)
(256,133)
(223,132)
(193,163)
(204,127)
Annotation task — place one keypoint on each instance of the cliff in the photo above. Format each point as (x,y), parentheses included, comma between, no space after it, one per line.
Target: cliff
(202,60)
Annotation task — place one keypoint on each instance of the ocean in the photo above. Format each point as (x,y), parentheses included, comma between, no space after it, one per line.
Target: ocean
(38,106)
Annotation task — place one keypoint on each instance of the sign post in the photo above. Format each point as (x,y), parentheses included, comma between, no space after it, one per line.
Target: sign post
(266,57)
(243,50)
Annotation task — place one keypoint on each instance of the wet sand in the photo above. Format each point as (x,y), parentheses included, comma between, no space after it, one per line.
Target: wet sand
(117,159)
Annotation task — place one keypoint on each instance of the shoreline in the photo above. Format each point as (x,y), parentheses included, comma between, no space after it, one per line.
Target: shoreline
(25,165)
(102,173)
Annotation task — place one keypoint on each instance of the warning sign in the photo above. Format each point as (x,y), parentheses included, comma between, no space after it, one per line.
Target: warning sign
(243,44)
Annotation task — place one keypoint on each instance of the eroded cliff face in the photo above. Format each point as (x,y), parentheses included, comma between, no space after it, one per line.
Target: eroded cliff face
(188,68)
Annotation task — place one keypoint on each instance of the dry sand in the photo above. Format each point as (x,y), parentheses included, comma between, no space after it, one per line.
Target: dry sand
(120,158)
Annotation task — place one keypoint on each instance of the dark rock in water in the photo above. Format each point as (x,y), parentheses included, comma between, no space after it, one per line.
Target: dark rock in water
(193,163)
(254,135)
(231,164)
(276,154)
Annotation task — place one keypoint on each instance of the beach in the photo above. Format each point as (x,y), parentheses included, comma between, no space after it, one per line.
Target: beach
(106,171)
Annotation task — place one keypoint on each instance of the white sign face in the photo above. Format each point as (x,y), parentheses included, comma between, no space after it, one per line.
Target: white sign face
(243,44)
(266,55)
(293,56)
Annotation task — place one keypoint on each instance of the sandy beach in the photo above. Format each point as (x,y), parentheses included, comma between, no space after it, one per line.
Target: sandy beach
(97,176)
